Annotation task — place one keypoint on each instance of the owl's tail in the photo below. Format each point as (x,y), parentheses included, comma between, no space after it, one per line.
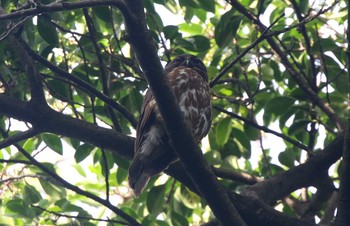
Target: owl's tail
(140,185)
(137,179)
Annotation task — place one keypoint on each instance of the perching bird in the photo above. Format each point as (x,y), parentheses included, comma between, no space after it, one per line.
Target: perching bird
(188,78)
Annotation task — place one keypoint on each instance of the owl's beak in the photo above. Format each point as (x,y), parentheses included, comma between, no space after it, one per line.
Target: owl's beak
(188,63)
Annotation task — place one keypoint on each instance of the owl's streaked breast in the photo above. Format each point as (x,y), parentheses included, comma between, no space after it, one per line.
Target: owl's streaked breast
(193,96)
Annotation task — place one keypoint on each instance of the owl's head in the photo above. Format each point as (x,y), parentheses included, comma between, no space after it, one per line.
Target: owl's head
(188,60)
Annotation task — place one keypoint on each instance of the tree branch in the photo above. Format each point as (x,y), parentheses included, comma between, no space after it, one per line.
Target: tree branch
(81,83)
(343,216)
(236,176)
(265,129)
(255,212)
(48,120)
(103,74)
(61,6)
(314,98)
(80,217)
(17,138)
(262,37)
(123,145)
(275,188)
(33,76)
(76,189)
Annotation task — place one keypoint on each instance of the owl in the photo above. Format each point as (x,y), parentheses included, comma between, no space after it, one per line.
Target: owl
(187,76)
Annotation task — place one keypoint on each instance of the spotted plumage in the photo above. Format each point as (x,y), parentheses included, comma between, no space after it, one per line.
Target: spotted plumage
(188,79)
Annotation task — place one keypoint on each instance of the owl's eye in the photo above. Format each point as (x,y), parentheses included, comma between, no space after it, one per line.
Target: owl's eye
(197,62)
(178,60)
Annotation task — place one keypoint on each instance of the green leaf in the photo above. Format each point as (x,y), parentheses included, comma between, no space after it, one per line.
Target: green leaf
(191,28)
(178,219)
(200,43)
(208,5)
(242,142)
(53,142)
(122,174)
(103,12)
(223,131)
(80,170)
(226,28)
(213,157)
(15,208)
(156,199)
(188,198)
(47,31)
(303,6)
(82,152)
(30,144)
(267,72)
(287,157)
(171,32)
(298,126)
(58,89)
(251,132)
(52,190)
(278,105)
(31,195)
(324,45)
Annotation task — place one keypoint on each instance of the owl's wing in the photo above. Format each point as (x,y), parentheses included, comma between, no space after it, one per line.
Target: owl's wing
(152,151)
(147,118)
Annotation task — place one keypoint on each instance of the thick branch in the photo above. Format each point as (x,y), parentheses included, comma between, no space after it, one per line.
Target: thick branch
(48,120)
(181,138)
(123,145)
(343,216)
(34,79)
(275,188)
(255,212)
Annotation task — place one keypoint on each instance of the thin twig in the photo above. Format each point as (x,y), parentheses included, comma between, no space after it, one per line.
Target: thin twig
(80,217)
(16,161)
(76,189)
(105,165)
(62,6)
(236,176)
(265,129)
(243,53)
(102,67)
(22,177)
(81,83)
(18,137)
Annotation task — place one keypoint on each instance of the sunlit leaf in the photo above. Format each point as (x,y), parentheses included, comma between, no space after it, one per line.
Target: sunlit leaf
(15,208)
(53,142)
(30,194)
(223,131)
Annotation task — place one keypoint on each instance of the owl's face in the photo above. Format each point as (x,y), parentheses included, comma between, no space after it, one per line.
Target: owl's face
(188,60)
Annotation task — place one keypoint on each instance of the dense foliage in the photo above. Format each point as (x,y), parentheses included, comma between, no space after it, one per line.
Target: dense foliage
(71,89)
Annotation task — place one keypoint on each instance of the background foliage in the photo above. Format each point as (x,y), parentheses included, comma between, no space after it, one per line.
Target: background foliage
(279,90)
